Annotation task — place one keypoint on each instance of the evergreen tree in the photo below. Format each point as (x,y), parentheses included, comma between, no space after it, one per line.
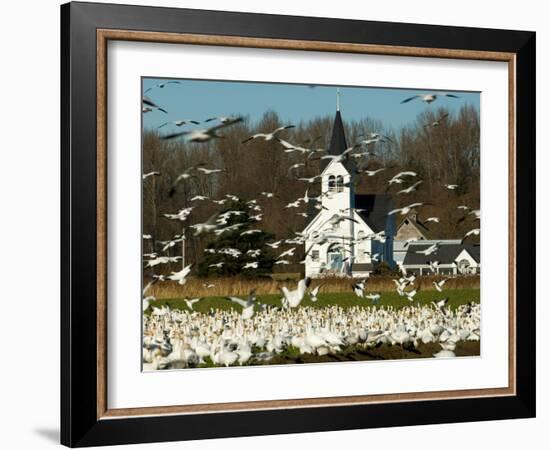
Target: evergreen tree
(235,249)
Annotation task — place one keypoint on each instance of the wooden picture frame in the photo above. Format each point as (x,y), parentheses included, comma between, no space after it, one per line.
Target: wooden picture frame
(85,417)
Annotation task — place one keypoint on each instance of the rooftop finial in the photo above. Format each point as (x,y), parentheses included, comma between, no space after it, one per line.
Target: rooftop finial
(337,99)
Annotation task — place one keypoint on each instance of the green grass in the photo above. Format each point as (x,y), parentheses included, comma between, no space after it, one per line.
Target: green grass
(345,300)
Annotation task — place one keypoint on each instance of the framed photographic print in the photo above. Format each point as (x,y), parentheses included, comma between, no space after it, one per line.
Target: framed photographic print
(277,224)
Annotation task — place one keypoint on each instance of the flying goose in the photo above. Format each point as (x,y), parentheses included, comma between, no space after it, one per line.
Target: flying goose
(268,136)
(437,122)
(428,98)
(410,188)
(405,210)
(150,174)
(150,105)
(203,135)
(181,276)
(161,85)
(293,298)
(474,232)
(247,305)
(178,123)
(314,292)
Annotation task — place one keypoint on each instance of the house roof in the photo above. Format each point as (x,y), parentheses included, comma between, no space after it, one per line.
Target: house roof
(338,144)
(446,254)
(422,229)
(376,208)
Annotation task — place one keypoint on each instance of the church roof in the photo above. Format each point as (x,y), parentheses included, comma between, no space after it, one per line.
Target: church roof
(338,144)
(376,208)
(446,253)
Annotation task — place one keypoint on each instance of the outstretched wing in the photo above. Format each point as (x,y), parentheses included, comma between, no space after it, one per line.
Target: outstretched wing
(237,300)
(409,99)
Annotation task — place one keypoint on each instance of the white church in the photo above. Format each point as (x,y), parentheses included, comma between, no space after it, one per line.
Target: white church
(351,247)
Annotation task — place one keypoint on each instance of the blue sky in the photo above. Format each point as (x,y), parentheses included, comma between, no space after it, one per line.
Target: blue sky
(202,99)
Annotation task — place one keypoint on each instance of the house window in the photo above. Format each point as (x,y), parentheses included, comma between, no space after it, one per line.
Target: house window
(331,183)
(339,183)
(315,255)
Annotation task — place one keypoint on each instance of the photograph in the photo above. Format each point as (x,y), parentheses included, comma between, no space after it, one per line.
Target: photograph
(302,223)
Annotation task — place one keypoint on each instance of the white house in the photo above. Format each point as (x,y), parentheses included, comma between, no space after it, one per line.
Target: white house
(353,246)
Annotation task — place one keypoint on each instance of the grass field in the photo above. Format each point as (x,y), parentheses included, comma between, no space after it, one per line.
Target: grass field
(196,287)
(343,299)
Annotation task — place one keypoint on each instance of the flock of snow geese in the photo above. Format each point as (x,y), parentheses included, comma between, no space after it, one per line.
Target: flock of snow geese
(177,339)
(174,338)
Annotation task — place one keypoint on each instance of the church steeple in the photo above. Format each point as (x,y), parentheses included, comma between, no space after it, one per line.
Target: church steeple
(338,140)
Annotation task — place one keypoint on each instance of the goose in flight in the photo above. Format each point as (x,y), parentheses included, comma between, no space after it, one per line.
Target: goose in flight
(181,276)
(182,214)
(398,178)
(295,204)
(341,157)
(359,288)
(376,136)
(407,242)
(405,210)
(250,232)
(451,187)
(314,292)
(293,298)
(311,180)
(410,295)
(291,148)
(431,249)
(432,219)
(410,189)
(178,123)
(150,174)
(337,218)
(474,232)
(187,173)
(198,198)
(289,252)
(439,284)
(274,245)
(247,305)
(203,135)
(150,105)
(440,305)
(268,136)
(370,173)
(375,297)
(210,171)
(428,98)
(209,226)
(162,260)
(161,85)
(296,166)
(221,119)
(437,122)
(268,194)
(191,301)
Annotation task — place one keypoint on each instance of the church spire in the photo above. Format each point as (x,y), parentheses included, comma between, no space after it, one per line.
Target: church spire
(337,99)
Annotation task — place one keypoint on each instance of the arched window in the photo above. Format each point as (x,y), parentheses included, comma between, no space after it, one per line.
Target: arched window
(331,183)
(464,266)
(339,183)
